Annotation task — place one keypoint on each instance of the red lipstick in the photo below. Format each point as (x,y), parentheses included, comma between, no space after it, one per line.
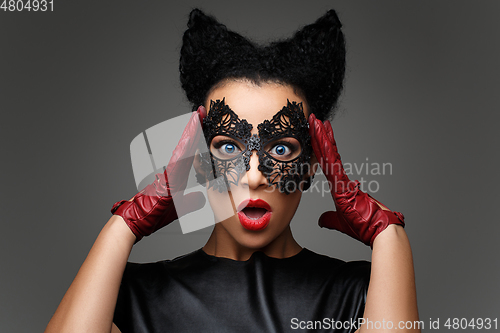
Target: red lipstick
(254,214)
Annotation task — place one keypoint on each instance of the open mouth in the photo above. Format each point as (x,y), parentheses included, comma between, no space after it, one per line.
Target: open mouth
(254,214)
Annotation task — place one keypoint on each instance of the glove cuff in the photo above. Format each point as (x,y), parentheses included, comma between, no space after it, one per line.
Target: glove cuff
(384,219)
(121,208)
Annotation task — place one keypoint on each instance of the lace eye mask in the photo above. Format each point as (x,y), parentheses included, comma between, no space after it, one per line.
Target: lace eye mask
(283,147)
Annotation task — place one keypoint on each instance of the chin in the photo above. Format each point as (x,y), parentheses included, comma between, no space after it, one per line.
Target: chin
(235,233)
(254,242)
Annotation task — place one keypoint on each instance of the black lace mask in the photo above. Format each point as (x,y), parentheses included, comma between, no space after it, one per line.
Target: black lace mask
(283,147)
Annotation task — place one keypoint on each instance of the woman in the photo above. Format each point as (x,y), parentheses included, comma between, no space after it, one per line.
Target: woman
(265,129)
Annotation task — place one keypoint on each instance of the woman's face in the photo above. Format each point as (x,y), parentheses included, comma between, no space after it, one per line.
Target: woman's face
(259,226)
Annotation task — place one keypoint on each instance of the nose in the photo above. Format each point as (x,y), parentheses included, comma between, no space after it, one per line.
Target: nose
(254,178)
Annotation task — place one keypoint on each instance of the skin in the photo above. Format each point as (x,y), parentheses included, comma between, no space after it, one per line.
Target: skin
(89,303)
(229,238)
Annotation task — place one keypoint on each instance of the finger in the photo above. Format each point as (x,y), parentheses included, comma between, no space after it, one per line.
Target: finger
(186,204)
(191,202)
(312,132)
(180,163)
(329,131)
(326,150)
(202,112)
(314,142)
(331,220)
(310,120)
(183,153)
(323,147)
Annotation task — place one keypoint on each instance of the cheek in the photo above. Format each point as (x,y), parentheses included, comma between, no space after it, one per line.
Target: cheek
(284,207)
(222,204)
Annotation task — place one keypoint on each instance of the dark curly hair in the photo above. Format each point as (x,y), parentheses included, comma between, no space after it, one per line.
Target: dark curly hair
(312,61)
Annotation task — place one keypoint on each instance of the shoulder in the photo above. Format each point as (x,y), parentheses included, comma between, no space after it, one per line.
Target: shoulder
(333,287)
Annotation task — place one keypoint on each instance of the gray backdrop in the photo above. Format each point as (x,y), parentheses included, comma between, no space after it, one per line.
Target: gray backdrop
(78,84)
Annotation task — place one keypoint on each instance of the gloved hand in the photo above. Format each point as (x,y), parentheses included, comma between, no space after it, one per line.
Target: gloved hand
(153,207)
(358,214)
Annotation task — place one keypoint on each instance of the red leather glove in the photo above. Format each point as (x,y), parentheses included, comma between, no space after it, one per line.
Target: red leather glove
(358,214)
(153,207)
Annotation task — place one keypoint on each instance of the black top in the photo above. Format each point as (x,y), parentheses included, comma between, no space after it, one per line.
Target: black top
(198,292)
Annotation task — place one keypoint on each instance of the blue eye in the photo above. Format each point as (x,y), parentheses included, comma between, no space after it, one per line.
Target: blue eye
(229,148)
(225,149)
(280,150)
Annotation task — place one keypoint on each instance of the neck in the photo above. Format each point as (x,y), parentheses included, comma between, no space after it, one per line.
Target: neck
(222,244)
